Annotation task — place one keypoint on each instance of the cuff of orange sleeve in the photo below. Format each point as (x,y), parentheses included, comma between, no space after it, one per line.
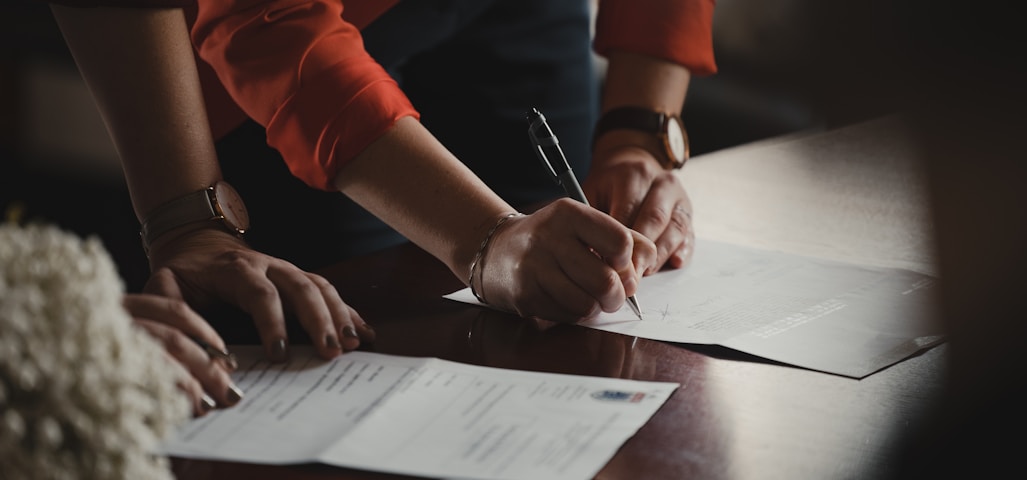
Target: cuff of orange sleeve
(317,136)
(683,34)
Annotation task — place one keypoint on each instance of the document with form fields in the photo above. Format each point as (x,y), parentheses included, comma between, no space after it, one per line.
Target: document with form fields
(420,416)
(817,314)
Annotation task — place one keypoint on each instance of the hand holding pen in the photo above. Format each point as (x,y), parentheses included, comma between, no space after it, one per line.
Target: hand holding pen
(547,147)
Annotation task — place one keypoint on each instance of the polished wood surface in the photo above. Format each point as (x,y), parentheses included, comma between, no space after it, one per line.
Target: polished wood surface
(734,416)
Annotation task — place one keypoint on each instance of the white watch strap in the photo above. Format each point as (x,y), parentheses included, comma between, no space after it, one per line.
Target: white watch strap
(194,207)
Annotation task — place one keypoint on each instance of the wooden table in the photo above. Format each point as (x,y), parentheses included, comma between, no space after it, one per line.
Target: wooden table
(852,194)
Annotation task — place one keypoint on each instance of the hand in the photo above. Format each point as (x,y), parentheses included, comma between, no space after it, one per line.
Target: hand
(566,262)
(208,264)
(629,184)
(172,323)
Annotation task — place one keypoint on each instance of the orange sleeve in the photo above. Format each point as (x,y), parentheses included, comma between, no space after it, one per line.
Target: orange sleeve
(301,71)
(680,31)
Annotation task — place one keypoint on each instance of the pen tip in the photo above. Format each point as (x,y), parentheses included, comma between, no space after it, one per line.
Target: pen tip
(633,303)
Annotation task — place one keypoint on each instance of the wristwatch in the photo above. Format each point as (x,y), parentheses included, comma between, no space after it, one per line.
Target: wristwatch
(218,203)
(665,126)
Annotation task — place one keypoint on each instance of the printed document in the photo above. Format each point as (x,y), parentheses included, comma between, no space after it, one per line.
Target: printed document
(822,315)
(421,416)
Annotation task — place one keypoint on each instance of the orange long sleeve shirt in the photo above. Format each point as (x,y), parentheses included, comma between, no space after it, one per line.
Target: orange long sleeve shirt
(299,68)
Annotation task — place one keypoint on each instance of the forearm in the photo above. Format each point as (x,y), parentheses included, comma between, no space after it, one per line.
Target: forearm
(139,66)
(641,81)
(410,181)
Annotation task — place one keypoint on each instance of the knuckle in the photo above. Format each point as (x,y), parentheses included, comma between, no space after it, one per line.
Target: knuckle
(262,292)
(176,343)
(177,308)
(307,288)
(656,215)
(609,282)
(319,281)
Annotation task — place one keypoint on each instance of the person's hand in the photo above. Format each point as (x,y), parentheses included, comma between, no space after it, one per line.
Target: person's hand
(206,265)
(179,329)
(566,262)
(629,184)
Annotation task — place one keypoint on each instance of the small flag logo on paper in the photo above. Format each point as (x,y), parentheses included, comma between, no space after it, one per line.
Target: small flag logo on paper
(618,396)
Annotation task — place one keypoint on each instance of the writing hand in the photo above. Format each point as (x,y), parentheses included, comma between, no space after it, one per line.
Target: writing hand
(629,184)
(566,262)
(207,265)
(172,323)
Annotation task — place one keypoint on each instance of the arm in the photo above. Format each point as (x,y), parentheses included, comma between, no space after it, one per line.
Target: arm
(565,262)
(139,66)
(626,178)
(341,123)
(653,53)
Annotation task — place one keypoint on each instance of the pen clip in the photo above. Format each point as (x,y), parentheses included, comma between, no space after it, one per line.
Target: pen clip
(536,122)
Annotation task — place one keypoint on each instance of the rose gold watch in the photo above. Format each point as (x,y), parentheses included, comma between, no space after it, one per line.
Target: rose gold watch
(218,203)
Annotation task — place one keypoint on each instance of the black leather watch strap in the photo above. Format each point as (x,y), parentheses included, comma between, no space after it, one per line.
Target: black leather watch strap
(635,118)
(668,128)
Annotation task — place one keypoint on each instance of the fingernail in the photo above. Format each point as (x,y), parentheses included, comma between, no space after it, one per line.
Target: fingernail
(207,403)
(234,394)
(332,342)
(279,350)
(349,332)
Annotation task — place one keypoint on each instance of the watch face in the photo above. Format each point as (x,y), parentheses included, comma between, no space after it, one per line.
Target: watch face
(676,141)
(231,207)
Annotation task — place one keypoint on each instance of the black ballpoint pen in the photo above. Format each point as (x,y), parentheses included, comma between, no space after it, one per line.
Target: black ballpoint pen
(547,147)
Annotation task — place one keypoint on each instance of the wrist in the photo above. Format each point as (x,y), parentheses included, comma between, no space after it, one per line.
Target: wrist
(608,148)
(477,266)
(218,205)
(189,236)
(661,133)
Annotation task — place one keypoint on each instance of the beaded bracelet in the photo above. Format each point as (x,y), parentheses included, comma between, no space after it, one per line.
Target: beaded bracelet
(476,263)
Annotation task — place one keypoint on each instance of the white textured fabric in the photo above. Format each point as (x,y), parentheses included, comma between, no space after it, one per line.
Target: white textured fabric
(83,393)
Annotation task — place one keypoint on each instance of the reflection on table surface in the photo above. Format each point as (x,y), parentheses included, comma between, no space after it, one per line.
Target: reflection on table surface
(735,416)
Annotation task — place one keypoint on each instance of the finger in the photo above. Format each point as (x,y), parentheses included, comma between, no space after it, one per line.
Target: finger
(210,375)
(625,200)
(200,401)
(351,328)
(558,299)
(248,287)
(684,255)
(586,272)
(672,239)
(306,298)
(656,212)
(609,239)
(163,282)
(175,313)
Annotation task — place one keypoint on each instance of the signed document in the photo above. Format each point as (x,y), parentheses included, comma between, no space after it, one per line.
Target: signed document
(421,416)
(829,316)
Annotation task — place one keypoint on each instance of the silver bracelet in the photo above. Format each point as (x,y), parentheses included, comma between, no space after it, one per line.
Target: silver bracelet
(476,263)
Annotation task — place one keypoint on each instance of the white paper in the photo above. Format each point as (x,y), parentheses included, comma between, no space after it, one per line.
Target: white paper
(421,416)
(822,315)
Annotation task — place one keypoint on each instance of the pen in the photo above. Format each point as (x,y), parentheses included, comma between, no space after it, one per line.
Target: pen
(217,354)
(549,152)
